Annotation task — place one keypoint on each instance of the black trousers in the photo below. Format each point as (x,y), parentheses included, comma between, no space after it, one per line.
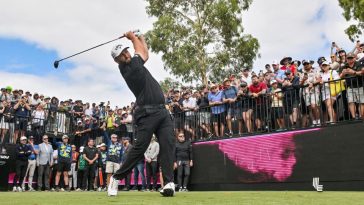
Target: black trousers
(89,177)
(147,122)
(21,168)
(152,169)
(183,172)
(80,174)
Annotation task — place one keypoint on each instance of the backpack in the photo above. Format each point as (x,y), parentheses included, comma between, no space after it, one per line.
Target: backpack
(81,163)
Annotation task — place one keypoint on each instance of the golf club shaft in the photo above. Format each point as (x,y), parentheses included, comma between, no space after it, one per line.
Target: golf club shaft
(91,48)
(57,61)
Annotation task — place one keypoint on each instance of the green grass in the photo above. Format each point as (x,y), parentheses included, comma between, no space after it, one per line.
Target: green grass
(190,198)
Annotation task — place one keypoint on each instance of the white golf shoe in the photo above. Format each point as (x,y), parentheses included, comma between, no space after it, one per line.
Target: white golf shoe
(112,190)
(168,190)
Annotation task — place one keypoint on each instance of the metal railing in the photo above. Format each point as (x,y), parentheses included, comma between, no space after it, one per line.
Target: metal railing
(294,107)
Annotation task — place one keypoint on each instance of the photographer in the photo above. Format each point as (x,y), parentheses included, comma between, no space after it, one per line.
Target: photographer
(21,110)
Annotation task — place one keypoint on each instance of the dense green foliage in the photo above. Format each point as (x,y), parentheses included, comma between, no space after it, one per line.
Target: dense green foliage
(353,10)
(201,39)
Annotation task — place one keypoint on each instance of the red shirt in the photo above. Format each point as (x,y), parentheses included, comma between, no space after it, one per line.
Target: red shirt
(256,89)
(291,67)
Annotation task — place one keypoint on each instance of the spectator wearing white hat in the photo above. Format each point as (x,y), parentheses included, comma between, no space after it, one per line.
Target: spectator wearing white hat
(64,161)
(32,163)
(102,167)
(279,74)
(277,104)
(114,155)
(23,151)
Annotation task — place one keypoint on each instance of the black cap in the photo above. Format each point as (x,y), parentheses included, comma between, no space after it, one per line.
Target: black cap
(243,84)
(320,60)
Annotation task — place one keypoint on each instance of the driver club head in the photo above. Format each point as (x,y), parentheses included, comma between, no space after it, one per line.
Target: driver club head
(56,64)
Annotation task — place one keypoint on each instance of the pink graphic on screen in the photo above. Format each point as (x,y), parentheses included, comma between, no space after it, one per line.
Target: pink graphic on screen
(272,155)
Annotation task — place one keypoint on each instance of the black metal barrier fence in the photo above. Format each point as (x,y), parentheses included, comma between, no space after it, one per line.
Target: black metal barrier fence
(13,126)
(289,107)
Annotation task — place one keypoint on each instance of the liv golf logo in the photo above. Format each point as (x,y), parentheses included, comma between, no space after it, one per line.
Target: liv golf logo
(2,158)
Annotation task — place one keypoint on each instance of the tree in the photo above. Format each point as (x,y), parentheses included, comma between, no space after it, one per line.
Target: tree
(201,39)
(353,10)
(169,83)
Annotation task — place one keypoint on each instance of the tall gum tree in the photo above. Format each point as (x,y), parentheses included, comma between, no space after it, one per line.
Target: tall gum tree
(201,39)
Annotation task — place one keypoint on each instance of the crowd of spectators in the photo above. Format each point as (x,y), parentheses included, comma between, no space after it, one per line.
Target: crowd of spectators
(288,94)
(96,138)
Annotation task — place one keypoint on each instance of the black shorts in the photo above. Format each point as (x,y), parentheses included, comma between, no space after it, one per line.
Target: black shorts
(21,124)
(260,112)
(219,118)
(277,112)
(64,166)
(289,105)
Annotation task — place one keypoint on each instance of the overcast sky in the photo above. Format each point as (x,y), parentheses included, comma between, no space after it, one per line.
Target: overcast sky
(35,33)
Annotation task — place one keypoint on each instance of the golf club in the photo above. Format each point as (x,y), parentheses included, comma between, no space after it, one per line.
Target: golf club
(56,63)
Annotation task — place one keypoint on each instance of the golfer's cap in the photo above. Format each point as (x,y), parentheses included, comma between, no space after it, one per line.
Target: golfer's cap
(98,146)
(116,50)
(81,148)
(23,138)
(275,62)
(273,81)
(102,145)
(65,136)
(79,121)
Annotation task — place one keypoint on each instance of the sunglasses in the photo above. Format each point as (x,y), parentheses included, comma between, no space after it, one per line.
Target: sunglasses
(45,138)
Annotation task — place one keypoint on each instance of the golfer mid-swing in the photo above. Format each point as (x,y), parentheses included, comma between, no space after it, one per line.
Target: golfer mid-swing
(150,115)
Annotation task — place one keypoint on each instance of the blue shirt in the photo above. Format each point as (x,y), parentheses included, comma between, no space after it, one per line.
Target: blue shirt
(230,93)
(21,112)
(280,74)
(33,156)
(216,97)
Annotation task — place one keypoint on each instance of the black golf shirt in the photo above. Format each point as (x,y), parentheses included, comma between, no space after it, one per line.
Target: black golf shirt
(144,87)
